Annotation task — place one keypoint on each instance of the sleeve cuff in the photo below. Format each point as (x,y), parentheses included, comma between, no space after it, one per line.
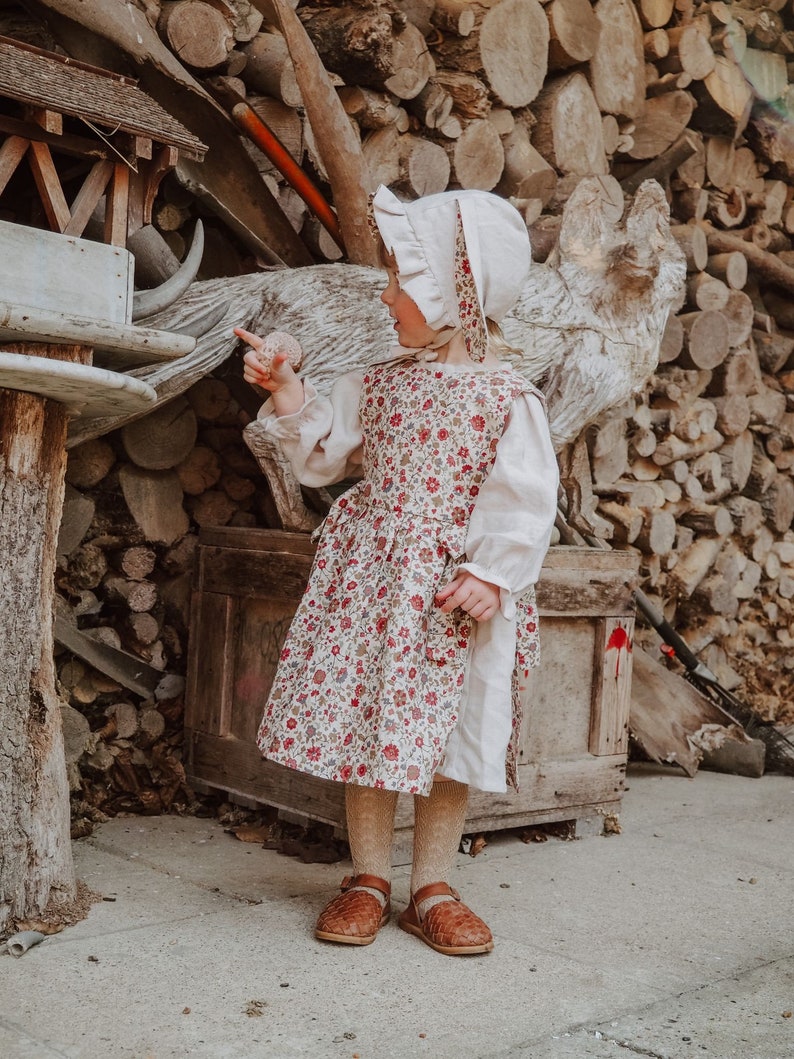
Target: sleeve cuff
(285,425)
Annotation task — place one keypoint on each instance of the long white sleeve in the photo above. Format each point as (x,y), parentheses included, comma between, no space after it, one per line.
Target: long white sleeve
(322,440)
(511,525)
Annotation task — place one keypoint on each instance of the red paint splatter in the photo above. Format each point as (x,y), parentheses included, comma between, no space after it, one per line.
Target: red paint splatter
(618,640)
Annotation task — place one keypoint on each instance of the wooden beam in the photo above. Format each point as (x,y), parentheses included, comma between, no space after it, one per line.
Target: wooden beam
(49,120)
(116,208)
(11,154)
(145,184)
(127,669)
(49,186)
(68,144)
(88,196)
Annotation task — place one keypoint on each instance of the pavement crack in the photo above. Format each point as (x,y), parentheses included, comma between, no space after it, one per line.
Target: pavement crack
(635,1049)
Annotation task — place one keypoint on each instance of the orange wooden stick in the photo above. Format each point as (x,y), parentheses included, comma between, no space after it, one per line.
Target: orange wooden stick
(246,118)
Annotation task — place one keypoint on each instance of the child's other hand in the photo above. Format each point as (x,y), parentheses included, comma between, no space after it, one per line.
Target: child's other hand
(277,377)
(476,597)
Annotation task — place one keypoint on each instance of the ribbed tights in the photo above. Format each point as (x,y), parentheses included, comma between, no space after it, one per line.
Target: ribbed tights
(438,826)
(370,830)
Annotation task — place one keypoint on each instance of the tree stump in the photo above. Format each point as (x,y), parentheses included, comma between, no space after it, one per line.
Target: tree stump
(36,869)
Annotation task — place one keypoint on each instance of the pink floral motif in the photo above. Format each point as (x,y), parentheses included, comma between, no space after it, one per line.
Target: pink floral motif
(371,666)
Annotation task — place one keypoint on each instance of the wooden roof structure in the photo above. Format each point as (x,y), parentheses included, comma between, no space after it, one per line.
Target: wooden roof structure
(55,82)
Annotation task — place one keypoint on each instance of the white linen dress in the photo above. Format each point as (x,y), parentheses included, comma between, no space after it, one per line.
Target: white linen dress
(376,685)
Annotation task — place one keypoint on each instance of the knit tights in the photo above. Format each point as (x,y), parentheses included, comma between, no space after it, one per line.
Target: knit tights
(438,826)
(370,830)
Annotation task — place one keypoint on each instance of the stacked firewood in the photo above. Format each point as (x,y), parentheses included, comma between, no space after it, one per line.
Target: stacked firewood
(135,502)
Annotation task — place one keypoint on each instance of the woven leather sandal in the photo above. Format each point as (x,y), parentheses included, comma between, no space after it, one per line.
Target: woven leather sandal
(355,916)
(450,926)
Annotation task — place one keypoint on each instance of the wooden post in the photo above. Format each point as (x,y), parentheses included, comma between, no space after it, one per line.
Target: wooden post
(36,869)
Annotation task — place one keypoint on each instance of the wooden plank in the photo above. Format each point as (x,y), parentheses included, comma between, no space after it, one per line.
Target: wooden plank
(127,669)
(260,628)
(557,700)
(245,538)
(88,196)
(666,711)
(11,154)
(49,187)
(142,345)
(64,274)
(236,766)
(208,683)
(82,387)
(586,581)
(232,572)
(609,719)
(116,206)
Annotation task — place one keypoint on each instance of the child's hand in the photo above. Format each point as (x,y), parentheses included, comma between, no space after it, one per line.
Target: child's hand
(476,597)
(280,373)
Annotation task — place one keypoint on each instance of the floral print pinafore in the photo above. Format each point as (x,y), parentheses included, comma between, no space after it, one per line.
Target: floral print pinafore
(370,677)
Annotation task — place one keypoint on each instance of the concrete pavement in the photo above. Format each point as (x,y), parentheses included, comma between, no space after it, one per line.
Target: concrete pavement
(673,939)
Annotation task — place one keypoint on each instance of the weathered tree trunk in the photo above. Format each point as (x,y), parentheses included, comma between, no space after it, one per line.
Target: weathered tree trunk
(36,870)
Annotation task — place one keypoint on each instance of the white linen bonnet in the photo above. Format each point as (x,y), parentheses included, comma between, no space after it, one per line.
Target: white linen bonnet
(462,256)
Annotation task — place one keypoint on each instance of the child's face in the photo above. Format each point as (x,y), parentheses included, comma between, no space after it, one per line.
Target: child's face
(411,327)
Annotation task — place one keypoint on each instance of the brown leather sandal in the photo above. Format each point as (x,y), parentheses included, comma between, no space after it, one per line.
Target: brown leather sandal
(355,916)
(450,926)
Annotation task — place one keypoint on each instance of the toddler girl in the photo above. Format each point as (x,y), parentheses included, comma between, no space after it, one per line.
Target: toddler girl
(401,668)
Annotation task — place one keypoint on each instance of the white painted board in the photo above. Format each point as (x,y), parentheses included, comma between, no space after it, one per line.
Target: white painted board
(85,389)
(61,273)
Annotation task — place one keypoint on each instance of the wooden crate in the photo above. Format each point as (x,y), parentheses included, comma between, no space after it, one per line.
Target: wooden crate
(575,738)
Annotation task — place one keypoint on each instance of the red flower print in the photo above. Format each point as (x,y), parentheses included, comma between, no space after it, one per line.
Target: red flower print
(428,403)
(417,603)
(390,752)
(345,772)
(443,434)
(348,739)
(291,723)
(288,742)
(396,419)
(319,676)
(313,753)
(361,771)
(432,485)
(478,422)
(423,435)
(412,772)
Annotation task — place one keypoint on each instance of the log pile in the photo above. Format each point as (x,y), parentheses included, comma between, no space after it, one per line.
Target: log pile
(524,99)
(135,502)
